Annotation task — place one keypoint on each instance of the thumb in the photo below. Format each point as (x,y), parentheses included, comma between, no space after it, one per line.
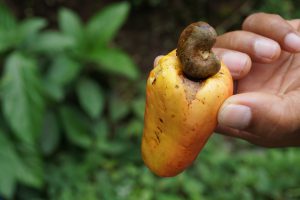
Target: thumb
(256,113)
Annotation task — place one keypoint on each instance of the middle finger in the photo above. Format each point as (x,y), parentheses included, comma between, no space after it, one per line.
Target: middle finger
(259,48)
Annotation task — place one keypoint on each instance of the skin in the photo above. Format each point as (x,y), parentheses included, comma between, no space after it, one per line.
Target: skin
(267,82)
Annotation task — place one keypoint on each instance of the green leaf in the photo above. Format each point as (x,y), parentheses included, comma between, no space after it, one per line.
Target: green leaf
(118,108)
(163,196)
(8,29)
(53,91)
(138,107)
(7,19)
(28,31)
(52,41)
(9,162)
(23,104)
(70,23)
(112,148)
(192,188)
(103,27)
(116,62)
(134,127)
(7,183)
(30,27)
(101,133)
(101,130)
(91,97)
(31,173)
(63,70)
(50,135)
(8,40)
(76,127)
(14,168)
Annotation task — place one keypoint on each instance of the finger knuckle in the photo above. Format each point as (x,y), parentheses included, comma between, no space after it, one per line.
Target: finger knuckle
(233,38)
(250,20)
(255,18)
(275,17)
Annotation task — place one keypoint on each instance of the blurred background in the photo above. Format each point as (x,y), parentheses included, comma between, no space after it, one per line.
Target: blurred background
(72,86)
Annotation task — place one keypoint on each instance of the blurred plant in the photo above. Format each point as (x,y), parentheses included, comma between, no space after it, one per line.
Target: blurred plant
(61,91)
(72,106)
(147,2)
(284,8)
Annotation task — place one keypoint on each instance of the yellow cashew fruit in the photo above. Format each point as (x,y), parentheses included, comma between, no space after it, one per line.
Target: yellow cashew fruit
(181,112)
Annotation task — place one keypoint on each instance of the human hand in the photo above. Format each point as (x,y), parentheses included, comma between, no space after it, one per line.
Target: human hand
(264,59)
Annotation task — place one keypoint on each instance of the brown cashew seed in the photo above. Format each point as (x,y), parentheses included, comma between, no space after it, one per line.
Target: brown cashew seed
(194,51)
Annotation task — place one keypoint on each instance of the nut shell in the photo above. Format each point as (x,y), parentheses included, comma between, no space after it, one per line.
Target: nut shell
(194,51)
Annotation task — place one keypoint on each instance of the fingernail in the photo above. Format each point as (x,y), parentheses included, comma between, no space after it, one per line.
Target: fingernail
(292,40)
(235,61)
(266,49)
(235,116)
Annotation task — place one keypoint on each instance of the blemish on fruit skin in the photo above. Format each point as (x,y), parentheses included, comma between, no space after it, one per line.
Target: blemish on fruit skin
(159,129)
(154,81)
(160,119)
(177,86)
(157,137)
(172,115)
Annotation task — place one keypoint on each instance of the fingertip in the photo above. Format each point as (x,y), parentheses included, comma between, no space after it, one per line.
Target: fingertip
(274,27)
(238,63)
(292,42)
(235,116)
(266,50)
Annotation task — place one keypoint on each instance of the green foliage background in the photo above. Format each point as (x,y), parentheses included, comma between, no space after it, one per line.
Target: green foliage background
(71,113)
